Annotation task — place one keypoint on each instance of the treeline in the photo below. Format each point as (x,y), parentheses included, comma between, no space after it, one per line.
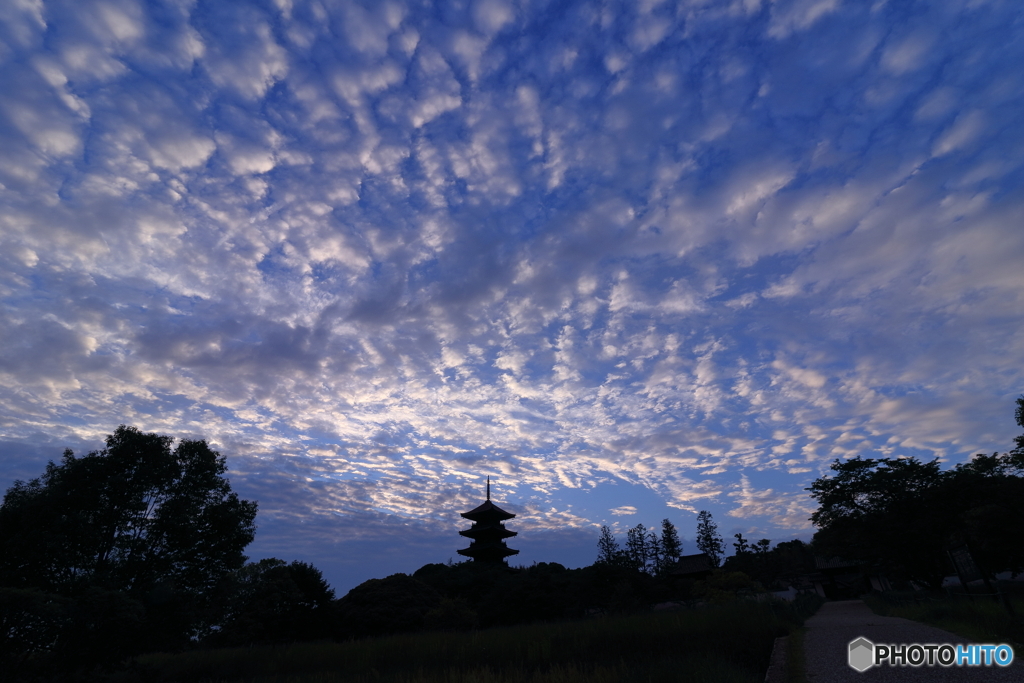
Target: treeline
(480,595)
(753,567)
(638,575)
(138,548)
(645,550)
(648,552)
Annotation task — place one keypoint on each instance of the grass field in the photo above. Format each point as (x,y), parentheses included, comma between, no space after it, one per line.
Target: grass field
(717,643)
(980,619)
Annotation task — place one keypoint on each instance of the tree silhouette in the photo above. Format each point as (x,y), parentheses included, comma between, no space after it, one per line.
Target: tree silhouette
(608,550)
(645,550)
(886,512)
(709,541)
(273,601)
(638,549)
(904,515)
(655,553)
(1018,452)
(741,545)
(671,546)
(775,568)
(396,604)
(136,525)
(128,517)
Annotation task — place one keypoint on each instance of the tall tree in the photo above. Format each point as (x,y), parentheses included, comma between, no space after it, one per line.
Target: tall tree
(887,512)
(1018,452)
(904,514)
(741,545)
(128,517)
(637,548)
(988,495)
(671,546)
(608,551)
(709,541)
(655,554)
(156,526)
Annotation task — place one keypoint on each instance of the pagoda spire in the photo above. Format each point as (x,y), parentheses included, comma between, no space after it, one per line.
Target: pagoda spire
(488,533)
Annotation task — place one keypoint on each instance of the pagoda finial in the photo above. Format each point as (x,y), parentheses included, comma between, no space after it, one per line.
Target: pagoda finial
(488,488)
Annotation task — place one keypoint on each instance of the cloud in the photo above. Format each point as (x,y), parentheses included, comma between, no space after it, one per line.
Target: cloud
(907,54)
(490,16)
(798,15)
(791,511)
(243,55)
(633,258)
(967,126)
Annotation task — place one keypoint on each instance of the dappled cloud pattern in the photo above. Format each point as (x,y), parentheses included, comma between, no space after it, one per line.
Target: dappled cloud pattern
(376,251)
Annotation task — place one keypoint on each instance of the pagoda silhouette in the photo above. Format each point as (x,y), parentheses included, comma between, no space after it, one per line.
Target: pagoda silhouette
(488,533)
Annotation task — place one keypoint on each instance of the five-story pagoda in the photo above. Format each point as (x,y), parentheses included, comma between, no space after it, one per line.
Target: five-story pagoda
(488,532)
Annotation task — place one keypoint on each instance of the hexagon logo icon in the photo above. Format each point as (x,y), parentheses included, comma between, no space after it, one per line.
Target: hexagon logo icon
(862,654)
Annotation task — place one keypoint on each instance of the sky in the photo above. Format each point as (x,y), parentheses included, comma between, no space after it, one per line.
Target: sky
(632,260)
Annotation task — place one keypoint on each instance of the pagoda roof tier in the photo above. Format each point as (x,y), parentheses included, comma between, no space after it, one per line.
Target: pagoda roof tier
(488,524)
(476,532)
(490,551)
(487,511)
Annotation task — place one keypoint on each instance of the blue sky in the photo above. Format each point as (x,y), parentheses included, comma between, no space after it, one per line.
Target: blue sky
(631,260)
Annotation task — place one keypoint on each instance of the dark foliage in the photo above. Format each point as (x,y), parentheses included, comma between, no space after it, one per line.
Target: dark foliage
(774,568)
(31,622)
(118,551)
(54,637)
(474,583)
(474,594)
(709,541)
(396,604)
(1018,415)
(645,551)
(271,601)
(131,517)
(609,551)
(903,514)
(671,546)
(547,591)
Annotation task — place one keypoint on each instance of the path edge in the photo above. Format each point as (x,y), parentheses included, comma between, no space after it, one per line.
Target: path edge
(778,667)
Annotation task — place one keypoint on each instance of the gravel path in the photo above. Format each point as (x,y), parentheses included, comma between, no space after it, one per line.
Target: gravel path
(837,623)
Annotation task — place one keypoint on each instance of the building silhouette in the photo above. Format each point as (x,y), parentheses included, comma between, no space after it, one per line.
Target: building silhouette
(488,533)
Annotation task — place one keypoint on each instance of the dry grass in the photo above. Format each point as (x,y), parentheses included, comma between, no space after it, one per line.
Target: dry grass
(720,643)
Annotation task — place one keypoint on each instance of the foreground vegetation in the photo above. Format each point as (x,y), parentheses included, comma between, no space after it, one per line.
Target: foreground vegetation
(726,642)
(980,619)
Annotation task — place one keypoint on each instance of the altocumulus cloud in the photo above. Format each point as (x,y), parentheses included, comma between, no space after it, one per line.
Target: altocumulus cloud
(633,260)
